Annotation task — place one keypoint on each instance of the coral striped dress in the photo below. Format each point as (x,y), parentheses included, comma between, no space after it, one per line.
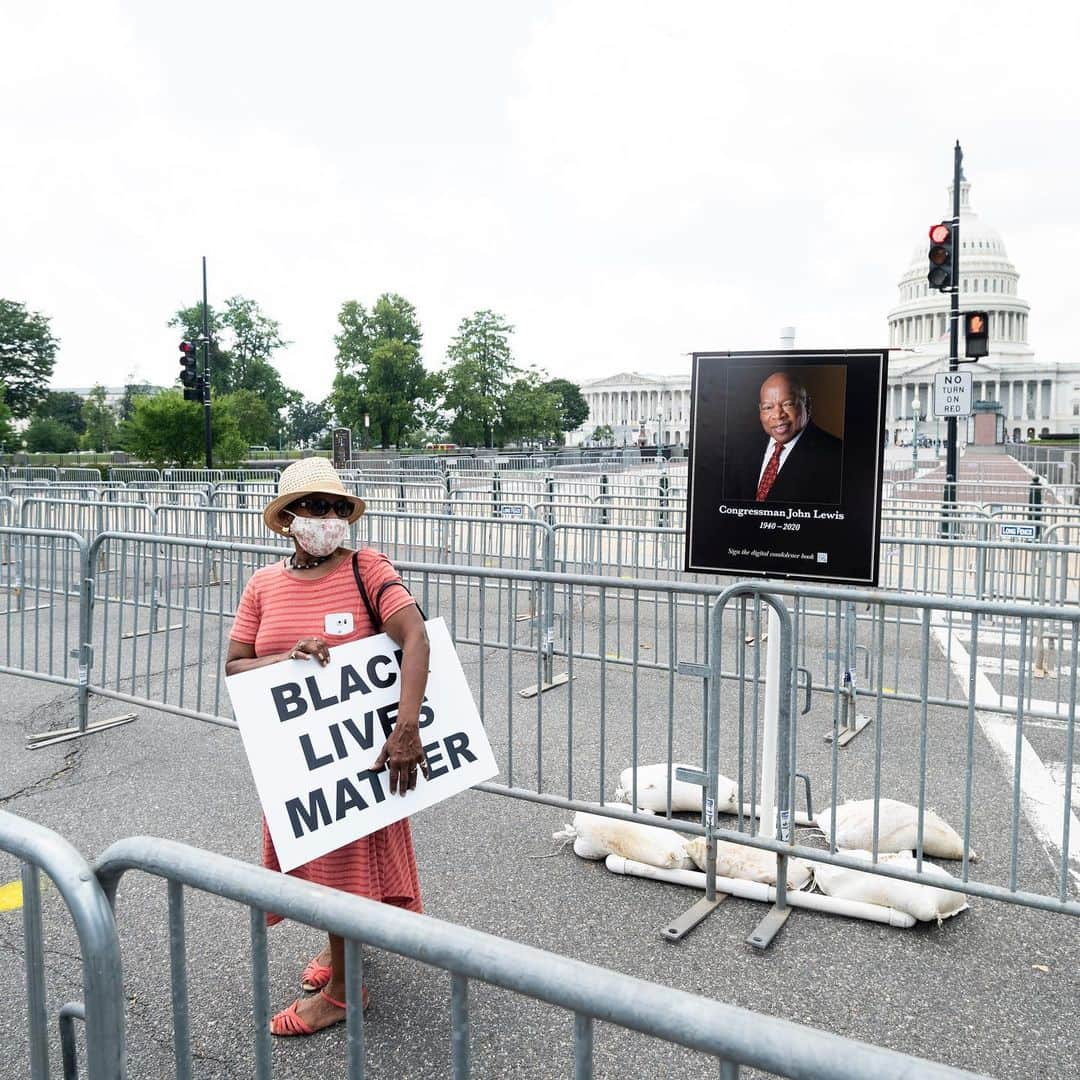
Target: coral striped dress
(276,610)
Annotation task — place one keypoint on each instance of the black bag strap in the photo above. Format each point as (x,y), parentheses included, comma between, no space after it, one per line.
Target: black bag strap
(373,614)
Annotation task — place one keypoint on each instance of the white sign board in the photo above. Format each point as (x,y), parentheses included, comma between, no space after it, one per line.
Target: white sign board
(312,733)
(952,393)
(1016,531)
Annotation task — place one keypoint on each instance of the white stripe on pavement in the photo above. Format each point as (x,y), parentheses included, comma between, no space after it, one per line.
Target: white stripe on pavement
(1043,800)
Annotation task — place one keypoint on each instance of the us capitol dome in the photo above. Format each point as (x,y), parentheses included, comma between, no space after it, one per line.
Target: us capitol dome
(1036,397)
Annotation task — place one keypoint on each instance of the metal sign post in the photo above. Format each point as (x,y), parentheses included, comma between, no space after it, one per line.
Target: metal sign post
(207,439)
(954,337)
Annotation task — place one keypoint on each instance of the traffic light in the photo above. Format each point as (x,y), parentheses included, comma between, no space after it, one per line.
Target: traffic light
(189,377)
(976,334)
(942,256)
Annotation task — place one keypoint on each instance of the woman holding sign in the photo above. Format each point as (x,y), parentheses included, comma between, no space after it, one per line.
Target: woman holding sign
(325,594)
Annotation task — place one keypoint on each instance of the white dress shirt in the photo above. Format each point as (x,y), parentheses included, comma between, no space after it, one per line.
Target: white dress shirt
(770,447)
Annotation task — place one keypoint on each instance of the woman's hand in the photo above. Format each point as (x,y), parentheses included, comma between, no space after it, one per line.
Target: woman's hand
(403,754)
(310,648)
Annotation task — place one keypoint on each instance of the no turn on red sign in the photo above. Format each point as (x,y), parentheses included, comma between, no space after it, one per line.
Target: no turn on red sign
(952,393)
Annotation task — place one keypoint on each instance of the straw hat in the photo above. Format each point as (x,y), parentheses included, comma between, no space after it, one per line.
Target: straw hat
(308,476)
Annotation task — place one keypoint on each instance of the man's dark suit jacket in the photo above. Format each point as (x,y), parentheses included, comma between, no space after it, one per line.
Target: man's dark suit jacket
(812,471)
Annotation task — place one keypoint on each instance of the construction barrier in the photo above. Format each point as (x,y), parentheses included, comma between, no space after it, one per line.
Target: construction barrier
(736,1037)
(640,664)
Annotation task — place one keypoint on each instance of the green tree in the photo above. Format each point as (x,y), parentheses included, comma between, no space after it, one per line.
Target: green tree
(99,422)
(250,415)
(603,434)
(167,430)
(308,422)
(243,339)
(48,436)
(27,356)
(480,373)
(131,392)
(529,411)
(573,407)
(379,370)
(63,405)
(9,438)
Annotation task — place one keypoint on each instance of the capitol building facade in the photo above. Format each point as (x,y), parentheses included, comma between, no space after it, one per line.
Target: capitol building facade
(1036,397)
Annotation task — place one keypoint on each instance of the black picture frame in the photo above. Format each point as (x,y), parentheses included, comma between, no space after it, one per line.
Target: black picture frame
(819,518)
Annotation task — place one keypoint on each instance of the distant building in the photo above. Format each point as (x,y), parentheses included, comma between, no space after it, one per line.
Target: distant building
(639,409)
(1037,396)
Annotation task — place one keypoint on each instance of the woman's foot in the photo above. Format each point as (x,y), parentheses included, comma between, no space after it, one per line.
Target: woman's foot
(318,972)
(305,1016)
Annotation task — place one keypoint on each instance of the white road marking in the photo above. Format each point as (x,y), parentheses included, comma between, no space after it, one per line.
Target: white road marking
(1041,797)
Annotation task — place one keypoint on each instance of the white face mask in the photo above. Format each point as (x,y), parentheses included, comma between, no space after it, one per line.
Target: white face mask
(319,536)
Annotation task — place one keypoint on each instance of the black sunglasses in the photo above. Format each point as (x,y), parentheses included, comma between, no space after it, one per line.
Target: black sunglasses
(321,507)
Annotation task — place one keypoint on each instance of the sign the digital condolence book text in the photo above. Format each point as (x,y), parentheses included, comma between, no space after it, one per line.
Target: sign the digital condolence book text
(815,512)
(312,733)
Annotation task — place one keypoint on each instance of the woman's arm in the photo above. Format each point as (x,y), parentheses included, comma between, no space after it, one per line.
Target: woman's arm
(403,752)
(241,655)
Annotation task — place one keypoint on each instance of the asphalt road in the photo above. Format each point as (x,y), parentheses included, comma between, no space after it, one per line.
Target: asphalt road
(995,989)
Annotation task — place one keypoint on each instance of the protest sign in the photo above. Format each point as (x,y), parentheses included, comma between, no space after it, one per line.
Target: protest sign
(312,733)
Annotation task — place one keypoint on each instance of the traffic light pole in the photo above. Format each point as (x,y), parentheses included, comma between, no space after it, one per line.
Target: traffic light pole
(954,336)
(205,342)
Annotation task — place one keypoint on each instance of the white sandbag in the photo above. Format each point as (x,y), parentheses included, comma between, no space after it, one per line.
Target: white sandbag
(923,902)
(898,827)
(748,863)
(596,836)
(652,790)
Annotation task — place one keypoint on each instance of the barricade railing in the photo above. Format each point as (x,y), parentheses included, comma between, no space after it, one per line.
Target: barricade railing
(989,803)
(735,1036)
(129,475)
(1016,492)
(86,517)
(46,608)
(24,473)
(81,474)
(42,851)
(156,636)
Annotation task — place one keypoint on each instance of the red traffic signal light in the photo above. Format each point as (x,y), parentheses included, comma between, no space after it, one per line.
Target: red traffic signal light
(189,377)
(942,257)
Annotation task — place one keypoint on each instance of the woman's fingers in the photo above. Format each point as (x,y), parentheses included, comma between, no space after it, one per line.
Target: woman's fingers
(315,648)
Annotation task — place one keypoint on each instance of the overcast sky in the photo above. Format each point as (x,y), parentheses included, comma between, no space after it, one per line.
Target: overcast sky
(625,182)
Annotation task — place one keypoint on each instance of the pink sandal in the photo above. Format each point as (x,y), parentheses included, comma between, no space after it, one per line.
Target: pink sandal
(315,975)
(288,1021)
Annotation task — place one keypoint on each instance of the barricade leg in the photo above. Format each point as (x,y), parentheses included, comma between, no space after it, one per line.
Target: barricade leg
(680,926)
(83,725)
(548,679)
(851,722)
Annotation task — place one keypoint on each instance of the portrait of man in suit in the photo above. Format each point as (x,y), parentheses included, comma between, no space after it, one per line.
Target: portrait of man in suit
(796,461)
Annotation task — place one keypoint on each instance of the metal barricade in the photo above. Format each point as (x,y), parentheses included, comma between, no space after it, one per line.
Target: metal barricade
(86,517)
(737,1037)
(135,475)
(625,643)
(41,850)
(23,473)
(81,474)
(938,640)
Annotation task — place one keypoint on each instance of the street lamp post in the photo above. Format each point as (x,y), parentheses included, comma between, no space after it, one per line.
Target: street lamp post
(916,407)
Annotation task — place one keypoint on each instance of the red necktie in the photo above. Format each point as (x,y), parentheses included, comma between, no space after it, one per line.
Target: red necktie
(768,477)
